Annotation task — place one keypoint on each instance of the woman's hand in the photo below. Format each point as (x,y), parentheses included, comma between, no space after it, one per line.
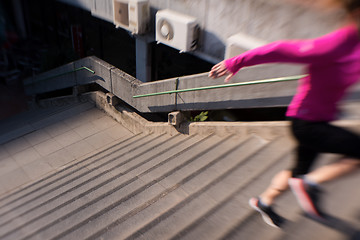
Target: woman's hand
(220,70)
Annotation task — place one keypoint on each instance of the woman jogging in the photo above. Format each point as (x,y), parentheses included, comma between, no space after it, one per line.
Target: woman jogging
(333,65)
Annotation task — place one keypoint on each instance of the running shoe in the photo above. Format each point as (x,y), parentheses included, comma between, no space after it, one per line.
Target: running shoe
(307,197)
(268,215)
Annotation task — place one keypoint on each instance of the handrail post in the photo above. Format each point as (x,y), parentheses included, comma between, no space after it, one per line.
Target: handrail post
(176,94)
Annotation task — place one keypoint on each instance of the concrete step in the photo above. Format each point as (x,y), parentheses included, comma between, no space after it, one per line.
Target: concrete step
(46,183)
(232,195)
(64,181)
(339,201)
(247,223)
(206,203)
(186,187)
(156,190)
(252,225)
(79,182)
(120,193)
(162,186)
(56,139)
(35,119)
(128,179)
(344,226)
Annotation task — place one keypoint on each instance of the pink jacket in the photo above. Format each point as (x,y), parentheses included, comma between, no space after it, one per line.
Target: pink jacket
(333,65)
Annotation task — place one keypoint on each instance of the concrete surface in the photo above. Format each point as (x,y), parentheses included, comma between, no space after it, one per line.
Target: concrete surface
(51,140)
(83,175)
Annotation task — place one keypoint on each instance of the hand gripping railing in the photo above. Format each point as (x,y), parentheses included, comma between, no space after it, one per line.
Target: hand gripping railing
(271,80)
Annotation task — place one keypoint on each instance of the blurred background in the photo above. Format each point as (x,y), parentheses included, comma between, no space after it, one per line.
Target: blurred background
(40,35)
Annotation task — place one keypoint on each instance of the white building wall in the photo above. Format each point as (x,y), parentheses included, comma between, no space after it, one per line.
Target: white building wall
(267,20)
(102,9)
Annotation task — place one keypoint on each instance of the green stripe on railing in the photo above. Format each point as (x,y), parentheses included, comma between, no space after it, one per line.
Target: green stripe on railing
(86,68)
(62,74)
(271,80)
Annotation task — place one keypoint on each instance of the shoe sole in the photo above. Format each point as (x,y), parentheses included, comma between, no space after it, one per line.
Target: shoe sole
(266,218)
(303,198)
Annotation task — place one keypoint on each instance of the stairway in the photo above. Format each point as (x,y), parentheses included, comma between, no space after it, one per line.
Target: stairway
(153,186)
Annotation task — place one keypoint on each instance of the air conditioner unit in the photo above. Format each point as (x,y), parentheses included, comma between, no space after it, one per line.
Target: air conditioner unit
(132,15)
(240,43)
(177,30)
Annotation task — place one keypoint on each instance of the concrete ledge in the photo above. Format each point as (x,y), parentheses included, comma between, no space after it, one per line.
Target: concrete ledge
(128,118)
(124,86)
(266,130)
(58,78)
(136,124)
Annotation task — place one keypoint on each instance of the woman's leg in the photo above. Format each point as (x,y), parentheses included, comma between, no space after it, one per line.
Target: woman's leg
(318,137)
(332,171)
(305,157)
(278,185)
(326,173)
(325,138)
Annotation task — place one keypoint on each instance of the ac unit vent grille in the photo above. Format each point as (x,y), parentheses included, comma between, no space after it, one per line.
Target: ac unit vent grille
(196,37)
(166,29)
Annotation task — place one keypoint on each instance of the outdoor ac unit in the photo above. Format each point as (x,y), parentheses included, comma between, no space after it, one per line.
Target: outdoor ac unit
(132,15)
(177,30)
(240,43)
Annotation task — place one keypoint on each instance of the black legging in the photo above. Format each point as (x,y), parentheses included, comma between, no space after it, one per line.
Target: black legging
(321,137)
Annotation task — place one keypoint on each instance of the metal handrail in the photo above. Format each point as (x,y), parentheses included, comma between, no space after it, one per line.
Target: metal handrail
(271,80)
(62,74)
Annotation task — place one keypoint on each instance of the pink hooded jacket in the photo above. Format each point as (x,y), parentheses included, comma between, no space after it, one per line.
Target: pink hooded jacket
(333,65)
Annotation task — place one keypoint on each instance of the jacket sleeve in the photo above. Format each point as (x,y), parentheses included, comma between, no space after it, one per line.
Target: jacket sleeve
(312,51)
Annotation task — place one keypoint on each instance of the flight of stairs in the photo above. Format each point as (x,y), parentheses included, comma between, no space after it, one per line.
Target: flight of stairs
(156,186)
